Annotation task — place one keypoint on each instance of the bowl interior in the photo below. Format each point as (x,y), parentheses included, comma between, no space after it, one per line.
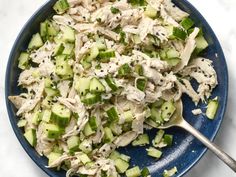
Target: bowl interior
(186,150)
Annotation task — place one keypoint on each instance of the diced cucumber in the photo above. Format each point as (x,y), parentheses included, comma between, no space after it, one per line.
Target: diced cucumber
(187,23)
(112,115)
(21,123)
(35,118)
(52,157)
(36,42)
(115,128)
(44,29)
(111,83)
(85,64)
(68,49)
(126,126)
(212,108)
(171,172)
(94,51)
(201,44)
(30,136)
(100,43)
(168,139)
(104,56)
(141,140)
(23,60)
(175,32)
(172,53)
(85,146)
(90,98)
(128,115)
(61,6)
(141,83)
(73,143)
(63,69)
(88,130)
(93,123)
(136,39)
(150,12)
(46,115)
(68,34)
(58,49)
(156,115)
(52,30)
(108,136)
(61,115)
(137,2)
(145,172)
(158,137)
(157,104)
(82,85)
(152,123)
(96,86)
(167,110)
(153,152)
(121,165)
(133,172)
(114,10)
(51,92)
(114,155)
(52,131)
(139,69)
(84,159)
(36,73)
(173,61)
(125,157)
(124,70)
(48,82)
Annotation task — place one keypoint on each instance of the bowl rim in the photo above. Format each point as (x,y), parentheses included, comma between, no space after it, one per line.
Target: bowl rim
(23,143)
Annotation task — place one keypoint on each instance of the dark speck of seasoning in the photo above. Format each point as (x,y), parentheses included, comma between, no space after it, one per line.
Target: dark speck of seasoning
(69,23)
(102,70)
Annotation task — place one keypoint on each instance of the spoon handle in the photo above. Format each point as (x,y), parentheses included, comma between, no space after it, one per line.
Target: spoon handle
(213,147)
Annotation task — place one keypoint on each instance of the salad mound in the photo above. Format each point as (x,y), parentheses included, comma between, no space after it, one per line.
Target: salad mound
(99,73)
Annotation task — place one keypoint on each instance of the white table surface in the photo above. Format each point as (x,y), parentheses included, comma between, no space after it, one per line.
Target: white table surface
(221,16)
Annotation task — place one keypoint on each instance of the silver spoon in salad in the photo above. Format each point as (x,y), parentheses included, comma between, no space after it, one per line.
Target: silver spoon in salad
(177,120)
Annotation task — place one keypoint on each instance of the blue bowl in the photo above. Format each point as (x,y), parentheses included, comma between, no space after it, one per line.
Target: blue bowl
(186,150)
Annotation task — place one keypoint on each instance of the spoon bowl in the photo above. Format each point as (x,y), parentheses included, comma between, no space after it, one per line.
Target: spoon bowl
(177,120)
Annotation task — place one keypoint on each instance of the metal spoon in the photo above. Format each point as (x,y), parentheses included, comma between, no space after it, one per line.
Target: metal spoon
(178,121)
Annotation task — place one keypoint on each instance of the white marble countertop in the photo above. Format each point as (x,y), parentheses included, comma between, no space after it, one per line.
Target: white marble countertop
(220,15)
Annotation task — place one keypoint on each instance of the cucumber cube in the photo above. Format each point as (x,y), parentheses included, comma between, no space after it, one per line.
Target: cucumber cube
(61,115)
(133,172)
(73,143)
(82,85)
(96,86)
(52,157)
(30,136)
(23,60)
(52,131)
(35,42)
(121,165)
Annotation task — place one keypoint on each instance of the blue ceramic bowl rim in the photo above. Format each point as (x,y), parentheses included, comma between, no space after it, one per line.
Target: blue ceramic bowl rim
(23,143)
